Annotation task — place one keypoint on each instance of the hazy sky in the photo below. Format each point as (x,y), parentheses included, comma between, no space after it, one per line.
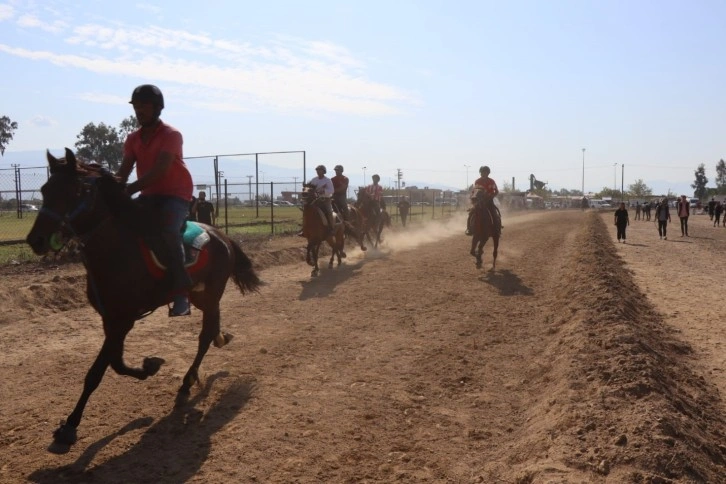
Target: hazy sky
(429,87)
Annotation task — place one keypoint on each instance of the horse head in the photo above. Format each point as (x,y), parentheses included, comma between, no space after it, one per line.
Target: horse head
(308,195)
(71,206)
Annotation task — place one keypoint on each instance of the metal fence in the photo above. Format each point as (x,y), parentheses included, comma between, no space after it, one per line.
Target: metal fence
(243,204)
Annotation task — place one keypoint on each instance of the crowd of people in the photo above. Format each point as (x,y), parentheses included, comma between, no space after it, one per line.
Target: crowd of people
(662,215)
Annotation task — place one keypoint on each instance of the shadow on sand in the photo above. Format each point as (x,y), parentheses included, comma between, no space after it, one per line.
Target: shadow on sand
(158,456)
(508,283)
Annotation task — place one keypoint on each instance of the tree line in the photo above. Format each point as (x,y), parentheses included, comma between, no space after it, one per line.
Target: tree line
(104,143)
(101,143)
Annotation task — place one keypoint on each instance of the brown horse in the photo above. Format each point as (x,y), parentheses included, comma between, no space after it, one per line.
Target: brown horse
(355,227)
(486,224)
(374,219)
(124,280)
(315,229)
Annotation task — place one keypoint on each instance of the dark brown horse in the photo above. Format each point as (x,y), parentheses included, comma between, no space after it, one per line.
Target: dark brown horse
(315,229)
(374,219)
(124,280)
(486,224)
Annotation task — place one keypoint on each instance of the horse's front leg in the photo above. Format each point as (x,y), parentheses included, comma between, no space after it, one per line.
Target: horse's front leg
(66,433)
(316,269)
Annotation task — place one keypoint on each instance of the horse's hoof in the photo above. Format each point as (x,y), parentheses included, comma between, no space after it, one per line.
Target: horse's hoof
(343,255)
(152,364)
(65,434)
(363,248)
(222,339)
(472,252)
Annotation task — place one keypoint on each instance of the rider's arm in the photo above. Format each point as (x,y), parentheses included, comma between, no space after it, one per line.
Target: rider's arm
(157,172)
(127,164)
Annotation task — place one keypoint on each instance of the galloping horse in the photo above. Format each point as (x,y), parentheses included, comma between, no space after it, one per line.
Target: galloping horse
(315,229)
(124,279)
(486,223)
(374,221)
(354,226)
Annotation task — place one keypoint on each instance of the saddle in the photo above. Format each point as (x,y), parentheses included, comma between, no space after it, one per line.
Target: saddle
(196,253)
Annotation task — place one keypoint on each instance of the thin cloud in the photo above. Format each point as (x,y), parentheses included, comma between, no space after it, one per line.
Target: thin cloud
(286,74)
(42,121)
(6,12)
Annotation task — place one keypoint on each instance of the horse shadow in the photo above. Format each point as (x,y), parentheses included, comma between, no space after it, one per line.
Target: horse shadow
(508,283)
(324,285)
(157,457)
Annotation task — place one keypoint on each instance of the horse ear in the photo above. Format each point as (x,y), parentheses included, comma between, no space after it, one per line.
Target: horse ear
(53,162)
(71,159)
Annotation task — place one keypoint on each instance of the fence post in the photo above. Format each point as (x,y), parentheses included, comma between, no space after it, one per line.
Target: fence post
(272,208)
(226,209)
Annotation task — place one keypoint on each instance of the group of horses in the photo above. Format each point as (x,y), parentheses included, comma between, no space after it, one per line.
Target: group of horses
(125,275)
(365,221)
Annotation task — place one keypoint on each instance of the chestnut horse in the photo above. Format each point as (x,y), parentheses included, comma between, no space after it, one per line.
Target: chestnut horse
(124,280)
(315,229)
(486,223)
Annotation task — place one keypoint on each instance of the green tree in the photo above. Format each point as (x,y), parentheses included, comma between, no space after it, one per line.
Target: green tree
(721,177)
(699,184)
(127,126)
(7,131)
(100,143)
(639,189)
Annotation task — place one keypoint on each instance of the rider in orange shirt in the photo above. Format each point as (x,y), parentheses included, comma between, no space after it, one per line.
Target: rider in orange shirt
(155,149)
(486,187)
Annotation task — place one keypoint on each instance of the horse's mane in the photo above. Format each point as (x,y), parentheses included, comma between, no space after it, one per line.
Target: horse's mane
(120,205)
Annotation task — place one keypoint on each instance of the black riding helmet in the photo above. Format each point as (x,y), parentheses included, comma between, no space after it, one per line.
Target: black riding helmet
(484,169)
(338,168)
(321,167)
(148,93)
(376,178)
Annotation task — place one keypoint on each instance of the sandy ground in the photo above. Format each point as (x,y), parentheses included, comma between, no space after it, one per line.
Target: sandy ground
(577,360)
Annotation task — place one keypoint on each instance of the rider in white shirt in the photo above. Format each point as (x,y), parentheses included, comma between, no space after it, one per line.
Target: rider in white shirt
(324,188)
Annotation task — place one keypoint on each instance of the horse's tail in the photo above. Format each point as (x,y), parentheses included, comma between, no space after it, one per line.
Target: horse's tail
(244,274)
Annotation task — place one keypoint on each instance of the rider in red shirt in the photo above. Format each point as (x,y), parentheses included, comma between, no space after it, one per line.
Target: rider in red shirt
(376,193)
(163,180)
(340,191)
(486,187)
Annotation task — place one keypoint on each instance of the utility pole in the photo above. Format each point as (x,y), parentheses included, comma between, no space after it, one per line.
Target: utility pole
(399,175)
(249,187)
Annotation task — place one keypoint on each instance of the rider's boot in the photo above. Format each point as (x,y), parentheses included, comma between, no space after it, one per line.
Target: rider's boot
(180,281)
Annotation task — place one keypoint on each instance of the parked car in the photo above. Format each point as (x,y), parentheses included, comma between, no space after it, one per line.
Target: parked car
(26,207)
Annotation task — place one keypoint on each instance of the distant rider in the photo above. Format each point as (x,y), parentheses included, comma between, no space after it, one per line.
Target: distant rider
(483,187)
(340,191)
(324,189)
(375,191)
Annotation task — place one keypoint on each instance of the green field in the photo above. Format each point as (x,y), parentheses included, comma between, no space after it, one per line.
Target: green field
(237,220)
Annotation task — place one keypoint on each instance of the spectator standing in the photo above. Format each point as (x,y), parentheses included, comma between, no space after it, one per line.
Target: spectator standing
(637,210)
(717,211)
(204,210)
(683,208)
(662,216)
(403,208)
(711,208)
(621,221)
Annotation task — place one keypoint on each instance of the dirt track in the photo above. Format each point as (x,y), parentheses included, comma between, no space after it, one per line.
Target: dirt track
(409,365)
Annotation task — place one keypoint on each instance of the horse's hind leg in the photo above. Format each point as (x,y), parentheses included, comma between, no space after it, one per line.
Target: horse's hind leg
(210,331)
(495,240)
